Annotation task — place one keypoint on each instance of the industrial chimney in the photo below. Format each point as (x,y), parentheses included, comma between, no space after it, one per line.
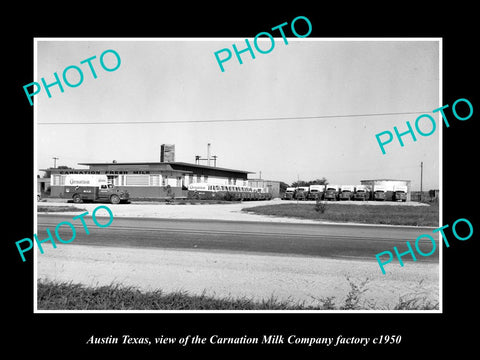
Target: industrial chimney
(167,153)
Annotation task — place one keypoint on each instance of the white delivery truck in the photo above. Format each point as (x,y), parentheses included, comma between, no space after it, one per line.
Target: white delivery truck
(331,192)
(362,192)
(316,192)
(92,188)
(301,193)
(288,193)
(379,193)
(400,193)
(346,192)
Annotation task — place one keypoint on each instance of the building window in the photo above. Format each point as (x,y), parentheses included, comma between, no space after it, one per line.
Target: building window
(113,180)
(205,178)
(154,180)
(136,180)
(164,180)
(199,178)
(55,180)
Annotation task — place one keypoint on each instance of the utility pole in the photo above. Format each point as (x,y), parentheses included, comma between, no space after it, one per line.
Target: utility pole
(55,162)
(296,192)
(421,181)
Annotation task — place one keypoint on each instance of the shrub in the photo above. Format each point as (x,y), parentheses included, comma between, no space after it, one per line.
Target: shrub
(320,206)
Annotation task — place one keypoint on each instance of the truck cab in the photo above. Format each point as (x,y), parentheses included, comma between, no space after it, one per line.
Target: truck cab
(361,193)
(400,193)
(93,188)
(331,192)
(379,193)
(316,192)
(301,193)
(288,193)
(346,192)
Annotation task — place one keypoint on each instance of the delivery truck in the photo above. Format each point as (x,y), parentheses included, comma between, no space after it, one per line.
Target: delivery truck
(331,192)
(346,192)
(316,192)
(288,193)
(81,188)
(362,192)
(301,193)
(400,193)
(379,193)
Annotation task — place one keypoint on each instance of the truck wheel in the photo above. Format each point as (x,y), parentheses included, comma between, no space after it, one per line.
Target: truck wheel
(77,198)
(115,199)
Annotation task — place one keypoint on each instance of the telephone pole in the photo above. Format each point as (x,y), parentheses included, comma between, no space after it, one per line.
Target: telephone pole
(55,162)
(421,181)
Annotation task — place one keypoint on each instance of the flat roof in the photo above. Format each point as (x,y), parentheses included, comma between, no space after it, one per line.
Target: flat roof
(169,163)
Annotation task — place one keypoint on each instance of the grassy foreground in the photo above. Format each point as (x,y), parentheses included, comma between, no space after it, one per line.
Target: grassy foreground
(367,214)
(68,296)
(59,208)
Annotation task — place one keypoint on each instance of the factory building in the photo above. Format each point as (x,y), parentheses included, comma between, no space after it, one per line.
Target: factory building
(150,179)
(272,186)
(153,180)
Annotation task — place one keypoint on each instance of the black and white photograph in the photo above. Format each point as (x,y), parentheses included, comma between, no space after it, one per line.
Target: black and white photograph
(232,180)
(261,187)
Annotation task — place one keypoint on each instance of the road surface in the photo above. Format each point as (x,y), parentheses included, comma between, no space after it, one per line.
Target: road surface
(332,241)
(257,260)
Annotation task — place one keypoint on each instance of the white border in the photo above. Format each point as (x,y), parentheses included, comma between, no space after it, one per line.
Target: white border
(390,39)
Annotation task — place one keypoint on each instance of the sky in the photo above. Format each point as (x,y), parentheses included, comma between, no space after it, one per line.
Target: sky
(178,85)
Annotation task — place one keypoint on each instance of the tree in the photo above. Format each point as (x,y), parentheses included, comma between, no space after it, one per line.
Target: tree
(322,181)
(48,172)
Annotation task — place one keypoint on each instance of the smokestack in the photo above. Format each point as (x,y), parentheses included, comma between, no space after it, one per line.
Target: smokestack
(167,153)
(208,154)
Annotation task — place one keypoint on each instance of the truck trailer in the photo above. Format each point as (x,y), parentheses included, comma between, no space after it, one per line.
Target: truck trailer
(81,188)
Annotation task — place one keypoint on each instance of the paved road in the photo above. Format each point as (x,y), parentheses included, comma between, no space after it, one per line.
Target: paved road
(332,241)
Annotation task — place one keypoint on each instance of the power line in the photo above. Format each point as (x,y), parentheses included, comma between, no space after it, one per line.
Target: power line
(230,120)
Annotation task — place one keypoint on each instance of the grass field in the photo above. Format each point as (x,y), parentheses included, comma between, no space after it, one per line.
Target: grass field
(59,208)
(367,214)
(68,296)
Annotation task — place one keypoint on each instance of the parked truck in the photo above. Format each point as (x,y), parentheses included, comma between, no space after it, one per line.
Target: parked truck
(301,193)
(346,192)
(92,188)
(288,193)
(362,192)
(316,192)
(331,192)
(400,193)
(379,193)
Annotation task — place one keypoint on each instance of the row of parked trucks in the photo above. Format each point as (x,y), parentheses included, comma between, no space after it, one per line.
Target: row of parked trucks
(206,191)
(89,188)
(347,192)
